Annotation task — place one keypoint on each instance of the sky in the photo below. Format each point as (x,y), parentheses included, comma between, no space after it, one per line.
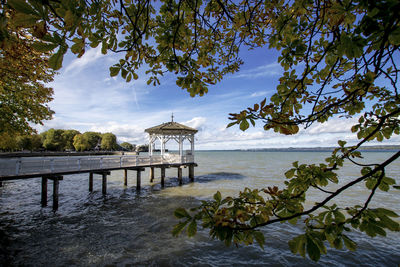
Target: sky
(86,98)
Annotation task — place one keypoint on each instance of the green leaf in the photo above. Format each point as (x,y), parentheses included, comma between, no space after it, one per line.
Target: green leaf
(114,71)
(387,212)
(192,228)
(77,47)
(390,224)
(178,228)
(328,218)
(342,143)
(57,38)
(22,6)
(22,20)
(384,186)
(244,125)
(337,243)
(365,170)
(217,197)
(104,47)
(124,72)
(379,137)
(394,37)
(354,128)
(312,249)
(69,19)
(181,213)
(293,220)
(290,173)
(44,47)
(317,239)
(298,244)
(55,61)
(372,229)
(370,183)
(339,217)
(231,124)
(331,238)
(259,237)
(388,180)
(350,244)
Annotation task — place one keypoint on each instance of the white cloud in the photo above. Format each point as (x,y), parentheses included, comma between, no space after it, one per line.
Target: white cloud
(133,133)
(90,56)
(196,122)
(334,125)
(258,94)
(261,71)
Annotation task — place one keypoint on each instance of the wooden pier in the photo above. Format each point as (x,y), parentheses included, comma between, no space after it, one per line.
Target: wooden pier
(55,168)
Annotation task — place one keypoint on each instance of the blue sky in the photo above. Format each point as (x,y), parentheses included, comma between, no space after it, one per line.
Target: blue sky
(86,98)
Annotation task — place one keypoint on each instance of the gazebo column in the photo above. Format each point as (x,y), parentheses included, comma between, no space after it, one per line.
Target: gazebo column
(192,144)
(162,145)
(151,145)
(180,147)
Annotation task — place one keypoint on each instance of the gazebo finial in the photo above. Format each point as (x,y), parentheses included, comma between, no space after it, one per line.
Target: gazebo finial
(172,117)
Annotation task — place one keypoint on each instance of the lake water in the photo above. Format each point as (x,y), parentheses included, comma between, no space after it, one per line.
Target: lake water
(130,228)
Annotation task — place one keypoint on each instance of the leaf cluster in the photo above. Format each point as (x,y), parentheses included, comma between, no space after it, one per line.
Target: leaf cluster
(24,73)
(197,40)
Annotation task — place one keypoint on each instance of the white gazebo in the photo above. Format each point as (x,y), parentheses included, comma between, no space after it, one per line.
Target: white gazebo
(172,131)
(178,132)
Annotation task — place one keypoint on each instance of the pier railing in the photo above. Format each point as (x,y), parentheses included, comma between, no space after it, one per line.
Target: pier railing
(52,165)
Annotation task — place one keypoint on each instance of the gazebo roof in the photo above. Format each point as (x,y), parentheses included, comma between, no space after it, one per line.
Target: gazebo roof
(171,128)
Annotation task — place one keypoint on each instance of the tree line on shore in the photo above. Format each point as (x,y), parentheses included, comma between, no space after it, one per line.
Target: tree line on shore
(64,140)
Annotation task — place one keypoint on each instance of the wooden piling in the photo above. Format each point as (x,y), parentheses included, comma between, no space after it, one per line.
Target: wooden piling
(55,179)
(151,174)
(91,182)
(162,176)
(138,178)
(191,173)
(44,192)
(104,183)
(125,177)
(55,193)
(180,175)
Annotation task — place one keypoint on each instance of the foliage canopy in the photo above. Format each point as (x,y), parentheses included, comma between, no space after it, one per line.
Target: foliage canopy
(109,141)
(24,73)
(128,146)
(340,58)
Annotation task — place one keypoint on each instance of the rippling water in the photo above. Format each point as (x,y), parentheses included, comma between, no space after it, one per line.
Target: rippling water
(127,228)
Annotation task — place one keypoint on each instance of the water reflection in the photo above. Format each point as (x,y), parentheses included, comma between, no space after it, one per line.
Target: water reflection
(212,177)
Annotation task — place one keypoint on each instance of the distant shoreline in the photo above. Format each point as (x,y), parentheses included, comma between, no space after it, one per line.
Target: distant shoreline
(388,148)
(289,149)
